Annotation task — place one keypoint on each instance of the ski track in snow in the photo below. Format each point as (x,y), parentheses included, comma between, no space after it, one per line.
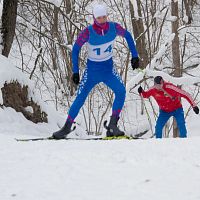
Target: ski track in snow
(87,170)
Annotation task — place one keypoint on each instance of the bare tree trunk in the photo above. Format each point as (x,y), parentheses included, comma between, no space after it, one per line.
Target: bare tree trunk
(175,52)
(138,29)
(68,6)
(9,16)
(187,4)
(55,36)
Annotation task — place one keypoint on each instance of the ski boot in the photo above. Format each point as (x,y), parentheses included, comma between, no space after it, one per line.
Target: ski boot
(63,132)
(112,129)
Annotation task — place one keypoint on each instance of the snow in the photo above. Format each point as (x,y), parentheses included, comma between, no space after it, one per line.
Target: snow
(10,73)
(86,170)
(29,109)
(55,2)
(161,51)
(172,18)
(135,8)
(187,80)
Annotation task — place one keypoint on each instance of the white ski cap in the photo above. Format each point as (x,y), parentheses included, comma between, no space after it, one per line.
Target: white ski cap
(99,10)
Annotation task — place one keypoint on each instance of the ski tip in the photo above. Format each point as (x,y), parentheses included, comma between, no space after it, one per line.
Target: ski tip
(34,139)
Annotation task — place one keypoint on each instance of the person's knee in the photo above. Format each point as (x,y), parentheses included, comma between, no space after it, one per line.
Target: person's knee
(80,98)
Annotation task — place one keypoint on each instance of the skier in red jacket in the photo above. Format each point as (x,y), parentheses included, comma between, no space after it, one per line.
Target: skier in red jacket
(168,97)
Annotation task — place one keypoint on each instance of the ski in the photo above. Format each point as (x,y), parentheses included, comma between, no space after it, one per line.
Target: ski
(52,138)
(70,138)
(136,136)
(117,137)
(33,139)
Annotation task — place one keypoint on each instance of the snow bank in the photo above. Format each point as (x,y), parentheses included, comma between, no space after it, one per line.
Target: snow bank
(9,73)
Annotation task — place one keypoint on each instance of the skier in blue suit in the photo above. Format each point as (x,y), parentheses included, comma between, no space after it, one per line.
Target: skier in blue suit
(99,38)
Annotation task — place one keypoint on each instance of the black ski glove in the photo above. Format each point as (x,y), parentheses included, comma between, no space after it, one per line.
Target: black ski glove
(140,90)
(196,109)
(76,78)
(135,63)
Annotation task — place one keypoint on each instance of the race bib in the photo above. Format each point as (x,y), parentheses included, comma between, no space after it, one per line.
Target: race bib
(101,52)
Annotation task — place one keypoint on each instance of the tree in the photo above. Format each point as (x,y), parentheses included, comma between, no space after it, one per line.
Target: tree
(175,51)
(9,15)
(138,31)
(187,4)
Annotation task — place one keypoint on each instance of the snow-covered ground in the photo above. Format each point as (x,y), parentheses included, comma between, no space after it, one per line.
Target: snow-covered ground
(167,169)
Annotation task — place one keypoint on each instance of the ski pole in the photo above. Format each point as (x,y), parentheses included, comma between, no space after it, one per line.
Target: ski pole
(148,116)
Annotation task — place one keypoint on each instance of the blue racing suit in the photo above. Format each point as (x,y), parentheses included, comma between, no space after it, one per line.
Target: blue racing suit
(100,65)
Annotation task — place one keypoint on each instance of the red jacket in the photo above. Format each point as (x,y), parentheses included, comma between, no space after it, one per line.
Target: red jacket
(168,99)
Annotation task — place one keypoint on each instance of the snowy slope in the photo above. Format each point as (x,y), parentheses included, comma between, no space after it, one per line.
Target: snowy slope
(15,123)
(167,169)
